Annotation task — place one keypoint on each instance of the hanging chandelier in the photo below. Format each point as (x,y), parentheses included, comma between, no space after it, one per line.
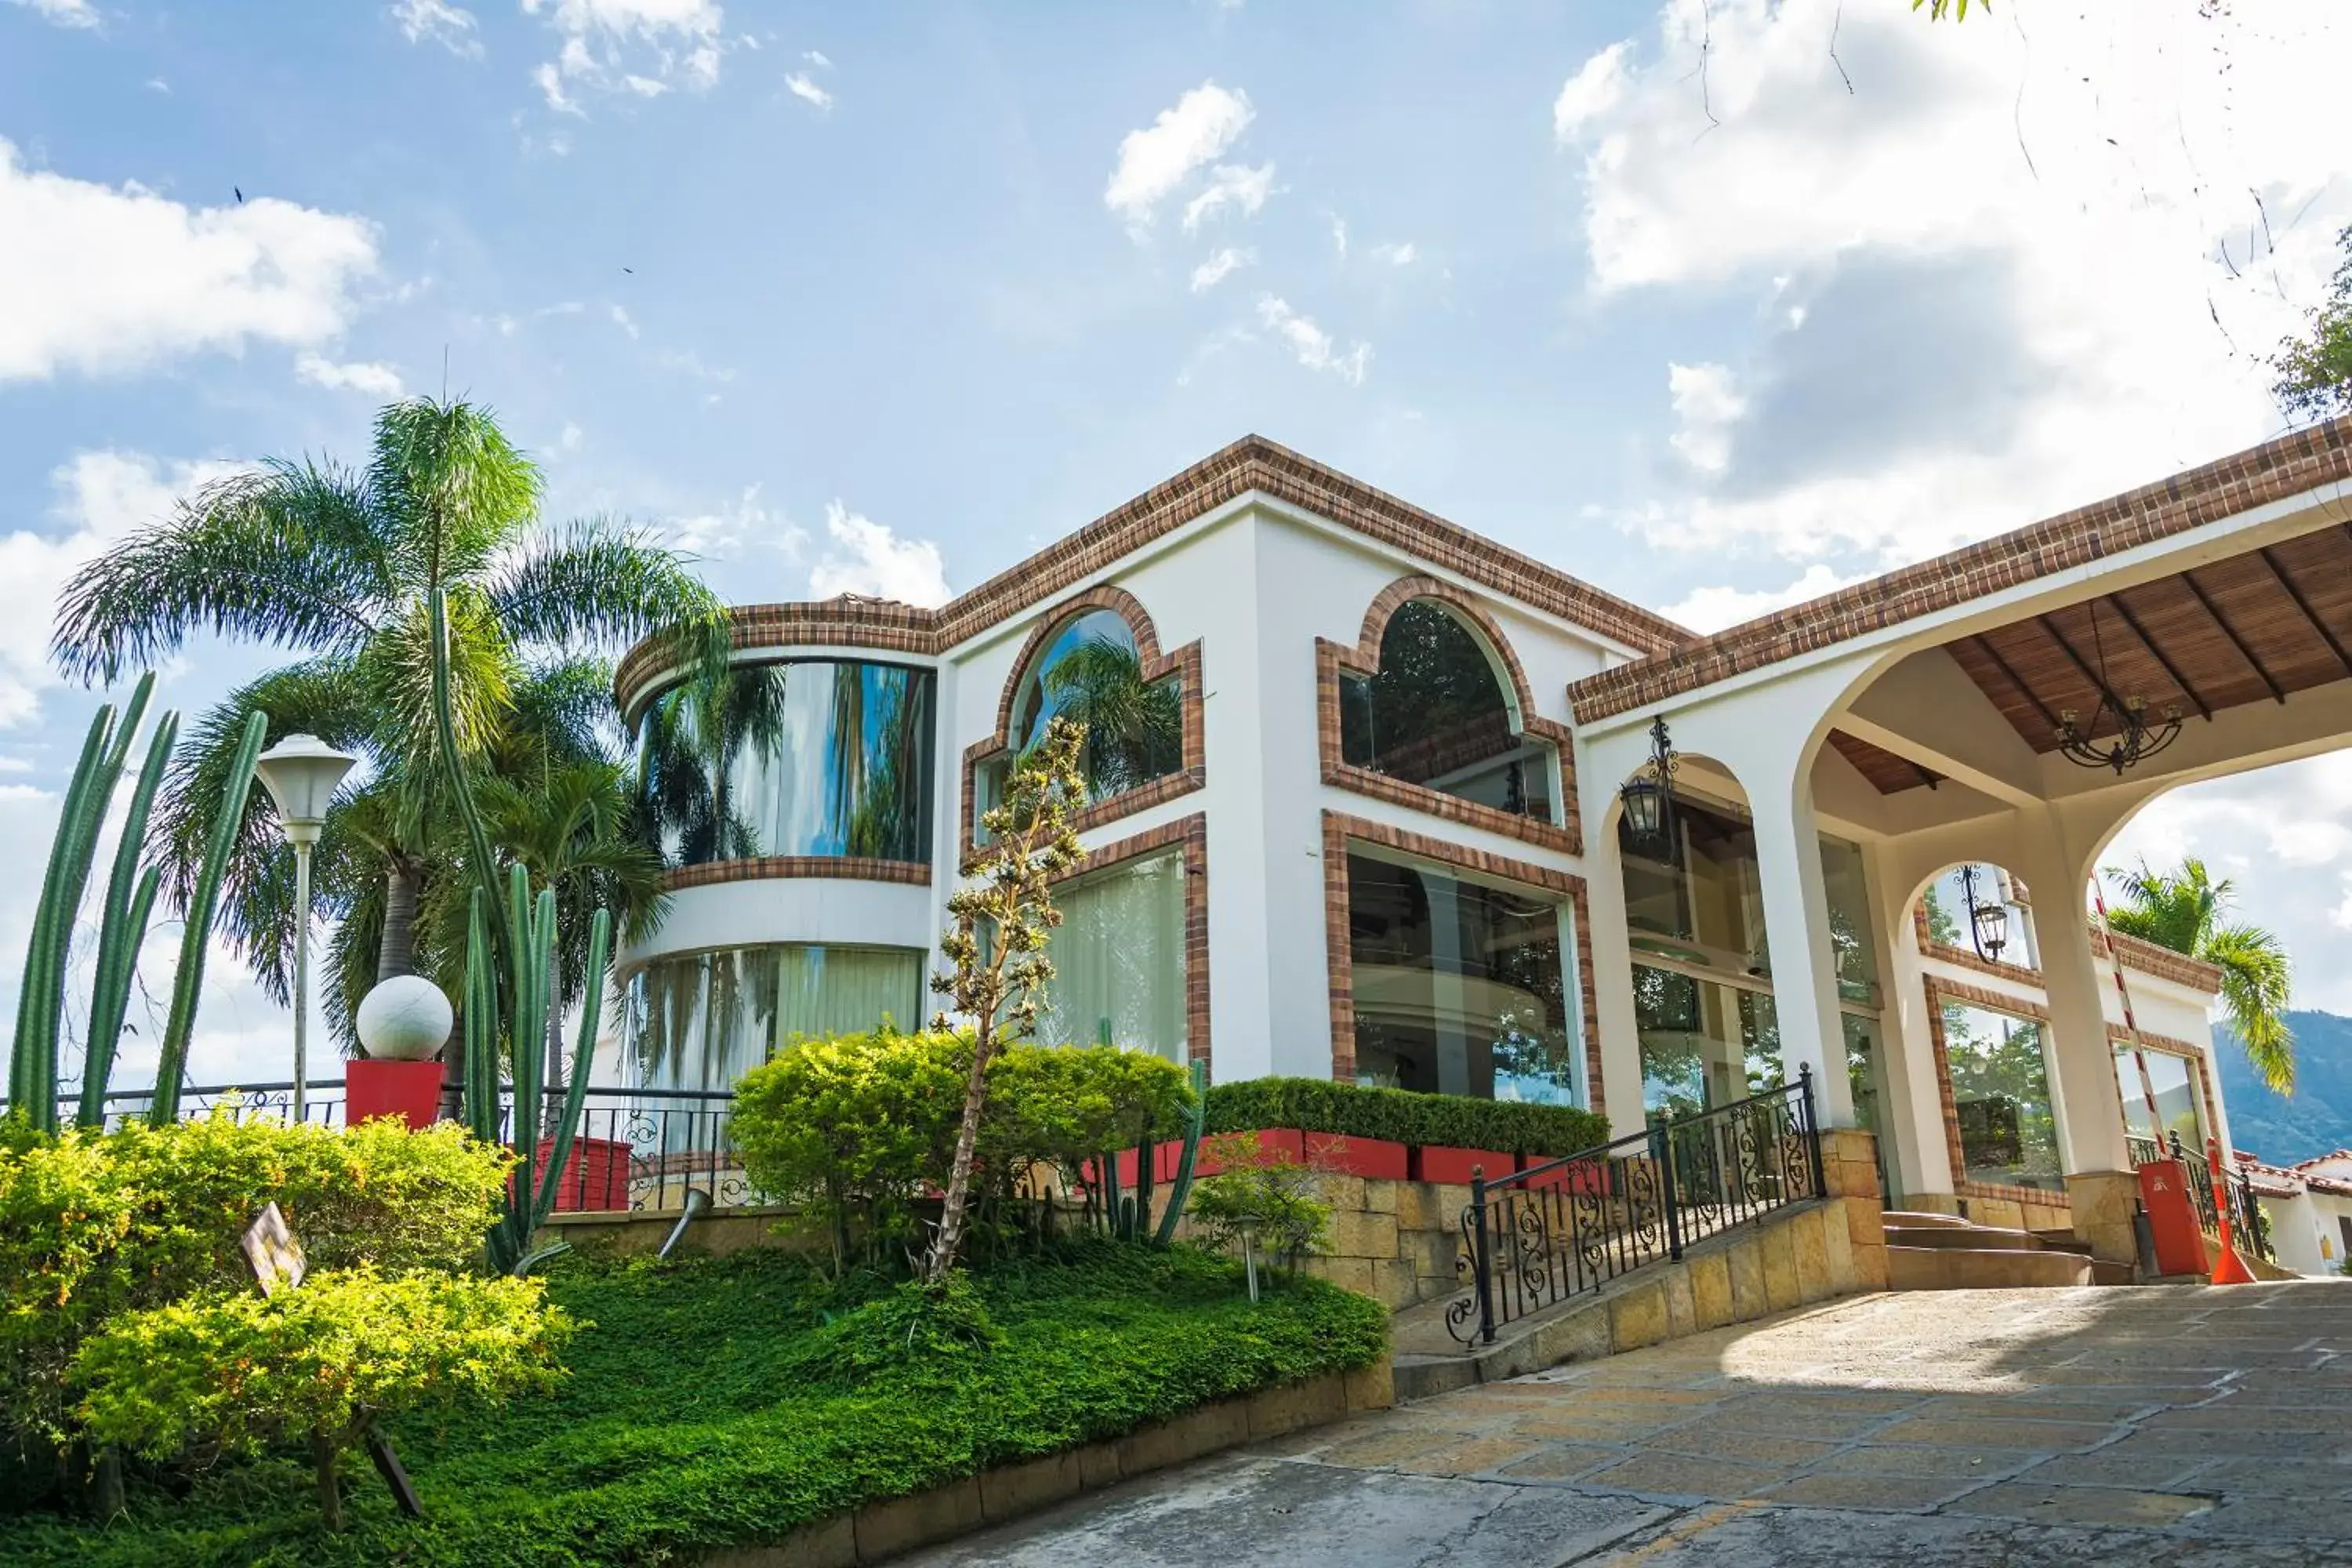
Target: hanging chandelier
(2135,737)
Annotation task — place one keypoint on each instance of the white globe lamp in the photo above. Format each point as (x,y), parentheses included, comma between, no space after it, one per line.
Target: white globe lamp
(404,1019)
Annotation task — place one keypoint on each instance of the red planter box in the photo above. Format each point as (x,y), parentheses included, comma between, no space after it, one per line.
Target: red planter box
(1436,1163)
(1347,1156)
(596,1179)
(409,1090)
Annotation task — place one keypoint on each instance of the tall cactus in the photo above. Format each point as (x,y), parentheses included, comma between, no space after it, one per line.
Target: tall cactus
(195,936)
(124,912)
(514,943)
(1198,1073)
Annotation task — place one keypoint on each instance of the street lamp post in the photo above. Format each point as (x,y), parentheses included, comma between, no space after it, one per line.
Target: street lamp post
(301,773)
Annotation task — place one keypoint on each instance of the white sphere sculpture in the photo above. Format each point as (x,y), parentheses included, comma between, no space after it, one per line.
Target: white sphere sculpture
(404,1019)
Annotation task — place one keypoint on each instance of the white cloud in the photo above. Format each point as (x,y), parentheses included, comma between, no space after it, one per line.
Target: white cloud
(1597,88)
(640,47)
(1395,255)
(723,534)
(436,21)
(1232,185)
(867,558)
(1942,342)
(816,57)
(570,438)
(102,497)
(1712,609)
(1313,347)
(622,320)
(1340,235)
(64,12)
(1154,162)
(1220,265)
(799,85)
(102,279)
(376,380)
(1707,407)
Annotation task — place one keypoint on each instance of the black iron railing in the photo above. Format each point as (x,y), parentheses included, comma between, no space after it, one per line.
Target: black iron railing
(1533,1238)
(637,1149)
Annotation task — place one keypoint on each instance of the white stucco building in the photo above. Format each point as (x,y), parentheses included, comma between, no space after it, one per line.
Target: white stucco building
(1360,812)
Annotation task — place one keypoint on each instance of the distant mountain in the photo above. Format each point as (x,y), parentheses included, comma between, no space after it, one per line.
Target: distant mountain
(2317,1118)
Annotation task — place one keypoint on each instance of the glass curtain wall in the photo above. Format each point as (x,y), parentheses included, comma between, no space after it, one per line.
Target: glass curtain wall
(2000,1095)
(1437,715)
(1460,987)
(1702,973)
(1118,960)
(811,758)
(702,1020)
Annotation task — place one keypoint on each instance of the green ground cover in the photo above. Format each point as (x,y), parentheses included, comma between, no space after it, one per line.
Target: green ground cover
(722,1401)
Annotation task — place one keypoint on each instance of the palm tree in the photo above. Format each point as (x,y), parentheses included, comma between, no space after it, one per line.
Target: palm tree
(337,564)
(2183,910)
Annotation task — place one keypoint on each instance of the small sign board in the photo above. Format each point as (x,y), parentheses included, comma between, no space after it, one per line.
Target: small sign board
(271,1250)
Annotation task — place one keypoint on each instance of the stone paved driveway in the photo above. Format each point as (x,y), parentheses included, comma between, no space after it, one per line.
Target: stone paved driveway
(2157,1426)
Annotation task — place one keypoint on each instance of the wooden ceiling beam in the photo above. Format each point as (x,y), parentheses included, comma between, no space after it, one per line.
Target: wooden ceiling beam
(1984,646)
(2156,652)
(2295,593)
(2278,693)
(2098,679)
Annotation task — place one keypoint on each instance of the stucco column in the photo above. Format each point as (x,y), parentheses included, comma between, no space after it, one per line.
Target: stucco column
(1613,990)
(1797,934)
(1911,1139)
(2086,1104)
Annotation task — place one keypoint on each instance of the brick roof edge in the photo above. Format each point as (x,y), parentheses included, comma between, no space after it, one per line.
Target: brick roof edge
(2293,463)
(1249,464)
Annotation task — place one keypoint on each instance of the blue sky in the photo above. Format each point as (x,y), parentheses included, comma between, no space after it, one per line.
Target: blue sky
(882,298)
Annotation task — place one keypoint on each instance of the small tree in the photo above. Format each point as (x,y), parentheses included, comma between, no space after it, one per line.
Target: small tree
(999,983)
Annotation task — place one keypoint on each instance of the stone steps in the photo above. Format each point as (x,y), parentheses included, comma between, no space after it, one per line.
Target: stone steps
(1983,1268)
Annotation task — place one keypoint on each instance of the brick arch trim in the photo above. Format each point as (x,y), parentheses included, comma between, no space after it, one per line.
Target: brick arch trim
(1184,664)
(1104,596)
(1332,659)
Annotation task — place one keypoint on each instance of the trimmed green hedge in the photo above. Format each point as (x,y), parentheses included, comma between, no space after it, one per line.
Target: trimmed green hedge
(1449,1120)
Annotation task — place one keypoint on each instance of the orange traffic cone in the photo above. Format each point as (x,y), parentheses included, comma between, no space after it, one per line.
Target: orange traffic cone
(2228,1268)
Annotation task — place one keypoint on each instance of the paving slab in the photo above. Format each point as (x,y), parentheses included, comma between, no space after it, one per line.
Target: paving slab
(2168,1427)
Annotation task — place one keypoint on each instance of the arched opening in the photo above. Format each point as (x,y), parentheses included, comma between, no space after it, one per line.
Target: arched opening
(1437,713)
(1093,670)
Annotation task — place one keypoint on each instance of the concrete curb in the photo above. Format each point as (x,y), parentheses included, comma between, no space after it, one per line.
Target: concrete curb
(881,1531)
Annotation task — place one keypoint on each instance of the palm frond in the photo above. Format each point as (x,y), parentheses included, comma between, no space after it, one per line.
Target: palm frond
(454,491)
(598,583)
(282,554)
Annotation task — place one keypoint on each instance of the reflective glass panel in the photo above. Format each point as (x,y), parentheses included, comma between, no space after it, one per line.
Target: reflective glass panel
(1118,960)
(793,759)
(1437,715)
(2169,1078)
(1703,1044)
(1708,894)
(702,1020)
(2001,1095)
(1092,673)
(1459,988)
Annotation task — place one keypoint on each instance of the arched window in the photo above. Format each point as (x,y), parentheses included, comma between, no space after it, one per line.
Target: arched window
(1437,715)
(1092,672)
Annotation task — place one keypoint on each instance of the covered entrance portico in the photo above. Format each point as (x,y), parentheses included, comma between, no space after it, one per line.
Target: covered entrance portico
(1871,740)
